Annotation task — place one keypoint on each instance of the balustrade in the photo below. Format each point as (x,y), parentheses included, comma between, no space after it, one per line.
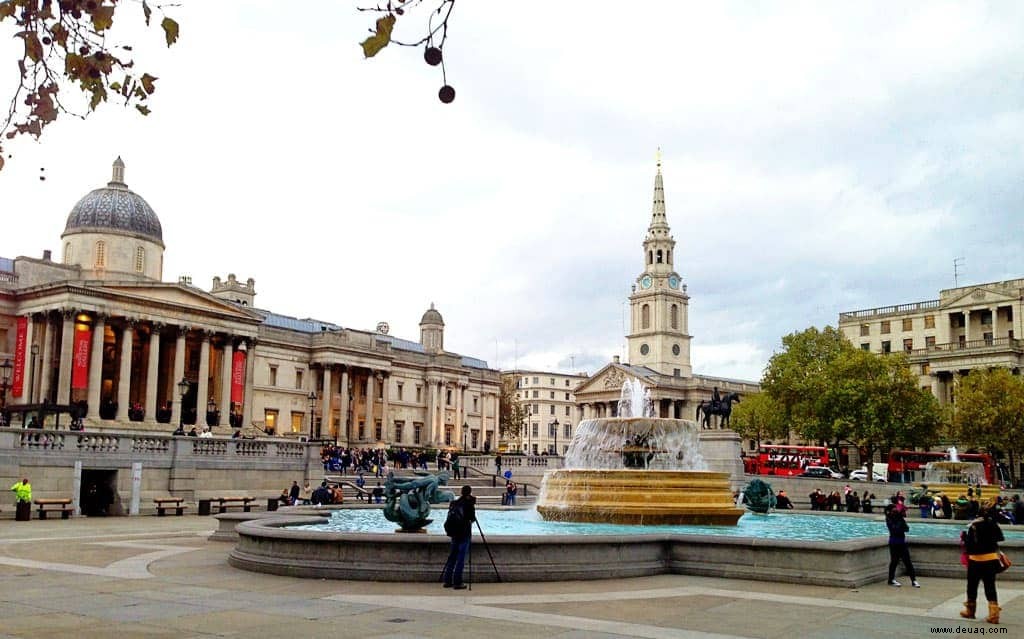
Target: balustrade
(99,443)
(250,449)
(42,440)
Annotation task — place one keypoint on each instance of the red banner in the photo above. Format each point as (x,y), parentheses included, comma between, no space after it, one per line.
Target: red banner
(237,376)
(80,358)
(18,383)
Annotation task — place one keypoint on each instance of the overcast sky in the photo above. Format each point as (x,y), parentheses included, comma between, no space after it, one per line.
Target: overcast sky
(818,157)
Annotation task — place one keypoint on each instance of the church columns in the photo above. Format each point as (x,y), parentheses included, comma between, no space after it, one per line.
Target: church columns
(203,386)
(326,408)
(67,348)
(99,329)
(227,353)
(46,367)
(967,326)
(179,374)
(124,378)
(152,372)
(432,429)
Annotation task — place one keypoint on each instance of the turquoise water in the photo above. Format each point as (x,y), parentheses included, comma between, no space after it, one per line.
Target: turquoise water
(529,522)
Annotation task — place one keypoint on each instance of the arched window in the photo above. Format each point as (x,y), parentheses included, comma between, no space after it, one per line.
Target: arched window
(140,259)
(674,316)
(67,253)
(650,257)
(645,316)
(659,256)
(668,256)
(101,254)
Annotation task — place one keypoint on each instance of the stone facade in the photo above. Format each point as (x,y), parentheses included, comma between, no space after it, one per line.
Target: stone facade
(976,326)
(102,337)
(547,398)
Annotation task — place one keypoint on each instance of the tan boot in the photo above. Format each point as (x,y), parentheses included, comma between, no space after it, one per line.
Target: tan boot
(993,612)
(969,608)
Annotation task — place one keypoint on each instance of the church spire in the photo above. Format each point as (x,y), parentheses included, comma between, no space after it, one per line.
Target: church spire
(659,222)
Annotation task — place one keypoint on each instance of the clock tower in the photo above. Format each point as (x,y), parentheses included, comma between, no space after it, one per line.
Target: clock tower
(659,325)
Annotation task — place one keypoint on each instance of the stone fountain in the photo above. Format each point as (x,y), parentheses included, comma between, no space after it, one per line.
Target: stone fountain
(637,469)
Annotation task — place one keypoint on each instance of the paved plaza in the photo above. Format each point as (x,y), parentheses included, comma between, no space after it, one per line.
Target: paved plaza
(149,576)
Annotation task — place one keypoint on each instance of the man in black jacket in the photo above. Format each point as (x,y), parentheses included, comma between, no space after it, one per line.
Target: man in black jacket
(459,526)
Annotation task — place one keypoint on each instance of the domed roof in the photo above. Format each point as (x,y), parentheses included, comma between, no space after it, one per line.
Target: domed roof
(115,208)
(432,316)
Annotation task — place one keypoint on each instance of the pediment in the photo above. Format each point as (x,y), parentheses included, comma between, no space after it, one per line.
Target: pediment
(979,296)
(609,378)
(177,295)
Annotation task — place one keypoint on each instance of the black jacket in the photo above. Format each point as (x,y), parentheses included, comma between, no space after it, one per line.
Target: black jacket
(468,505)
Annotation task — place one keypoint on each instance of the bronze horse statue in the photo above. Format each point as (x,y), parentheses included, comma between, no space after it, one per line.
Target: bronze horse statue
(722,408)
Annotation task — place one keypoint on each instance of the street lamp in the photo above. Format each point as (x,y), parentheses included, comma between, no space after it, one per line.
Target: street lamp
(32,373)
(554,427)
(5,380)
(182,391)
(312,407)
(211,406)
(465,433)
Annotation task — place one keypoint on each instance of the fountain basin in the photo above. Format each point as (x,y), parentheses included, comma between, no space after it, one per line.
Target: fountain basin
(642,497)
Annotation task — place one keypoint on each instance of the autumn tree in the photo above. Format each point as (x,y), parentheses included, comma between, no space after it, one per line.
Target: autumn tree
(511,414)
(989,413)
(759,417)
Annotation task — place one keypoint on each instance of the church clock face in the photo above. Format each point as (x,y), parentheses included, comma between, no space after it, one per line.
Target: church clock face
(673,281)
(646,281)
(644,349)
(675,349)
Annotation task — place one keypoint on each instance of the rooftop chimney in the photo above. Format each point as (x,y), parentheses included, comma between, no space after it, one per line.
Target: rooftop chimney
(47,255)
(615,359)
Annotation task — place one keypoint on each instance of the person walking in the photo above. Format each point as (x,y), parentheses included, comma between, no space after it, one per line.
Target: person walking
(497,464)
(981,543)
(459,527)
(455,468)
(896,522)
(23,500)
(293,494)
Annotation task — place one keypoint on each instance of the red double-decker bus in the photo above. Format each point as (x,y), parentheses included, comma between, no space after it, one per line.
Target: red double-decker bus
(785,460)
(909,465)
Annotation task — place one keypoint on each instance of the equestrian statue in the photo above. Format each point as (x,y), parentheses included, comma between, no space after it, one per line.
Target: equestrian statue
(719,405)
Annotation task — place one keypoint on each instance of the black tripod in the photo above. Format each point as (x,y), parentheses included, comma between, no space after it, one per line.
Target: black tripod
(488,548)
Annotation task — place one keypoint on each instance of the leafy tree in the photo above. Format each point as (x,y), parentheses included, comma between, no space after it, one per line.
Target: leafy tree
(759,417)
(989,413)
(797,378)
(511,414)
(874,400)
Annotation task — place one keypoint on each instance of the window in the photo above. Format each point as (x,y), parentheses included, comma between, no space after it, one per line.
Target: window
(525,380)
(926,368)
(988,338)
(399,385)
(417,432)
(67,253)
(399,427)
(886,347)
(447,435)
(381,387)
(908,344)
(552,381)
(419,394)
(362,429)
(676,372)
(660,255)
(929,342)
(986,318)
(101,254)
(536,409)
(865,346)
(270,420)
(378,431)
(645,316)
(674,315)
(298,379)
(929,321)
(536,430)
(475,399)
(535,381)
(536,394)
(297,420)
(567,431)
(650,257)
(552,430)
(273,375)
(552,409)
(865,330)
(908,324)
(448,397)
(886,327)
(567,411)
(567,383)
(140,259)
(552,393)
(567,397)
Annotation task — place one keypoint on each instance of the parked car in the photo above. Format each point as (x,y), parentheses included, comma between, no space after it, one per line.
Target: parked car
(862,475)
(822,472)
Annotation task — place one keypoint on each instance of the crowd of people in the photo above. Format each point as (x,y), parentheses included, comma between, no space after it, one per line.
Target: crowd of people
(847,501)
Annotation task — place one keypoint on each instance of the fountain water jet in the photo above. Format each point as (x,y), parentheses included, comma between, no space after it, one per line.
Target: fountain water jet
(637,469)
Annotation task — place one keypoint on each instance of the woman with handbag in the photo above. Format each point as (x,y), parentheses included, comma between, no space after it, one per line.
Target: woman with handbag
(984,562)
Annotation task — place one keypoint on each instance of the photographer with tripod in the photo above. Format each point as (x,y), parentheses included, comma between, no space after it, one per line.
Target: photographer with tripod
(459,526)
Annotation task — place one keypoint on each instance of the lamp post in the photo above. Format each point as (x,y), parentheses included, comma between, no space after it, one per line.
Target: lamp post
(465,434)
(554,428)
(211,406)
(32,373)
(5,380)
(182,391)
(312,407)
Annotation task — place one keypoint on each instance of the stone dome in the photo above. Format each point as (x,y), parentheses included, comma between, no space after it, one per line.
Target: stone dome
(115,209)
(432,316)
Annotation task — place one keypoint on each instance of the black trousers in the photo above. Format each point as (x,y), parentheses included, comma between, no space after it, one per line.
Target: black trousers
(898,552)
(985,572)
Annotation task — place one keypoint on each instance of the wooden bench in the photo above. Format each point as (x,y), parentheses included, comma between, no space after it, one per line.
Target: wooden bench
(64,505)
(163,503)
(223,503)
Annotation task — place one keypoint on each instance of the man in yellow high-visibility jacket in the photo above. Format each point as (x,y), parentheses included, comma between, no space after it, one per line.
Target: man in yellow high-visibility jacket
(23,490)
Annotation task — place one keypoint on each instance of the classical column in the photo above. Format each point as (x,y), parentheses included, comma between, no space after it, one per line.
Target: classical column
(496,417)
(203,385)
(967,326)
(153,372)
(458,407)
(99,328)
(124,378)
(385,428)
(179,374)
(27,375)
(225,382)
(67,351)
(46,368)
(250,366)
(431,403)
(343,423)
(370,396)
(326,410)
(995,322)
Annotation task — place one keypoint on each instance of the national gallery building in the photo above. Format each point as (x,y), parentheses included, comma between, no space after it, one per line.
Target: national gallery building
(99,337)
